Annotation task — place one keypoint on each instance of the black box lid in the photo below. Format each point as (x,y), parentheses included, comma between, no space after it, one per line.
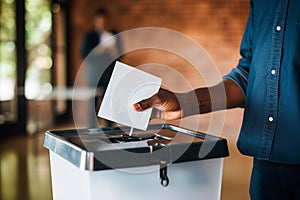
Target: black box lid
(108,148)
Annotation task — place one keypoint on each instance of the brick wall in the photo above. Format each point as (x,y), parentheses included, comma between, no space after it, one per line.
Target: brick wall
(215,24)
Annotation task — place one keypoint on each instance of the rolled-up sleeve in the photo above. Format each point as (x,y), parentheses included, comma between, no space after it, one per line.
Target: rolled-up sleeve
(240,73)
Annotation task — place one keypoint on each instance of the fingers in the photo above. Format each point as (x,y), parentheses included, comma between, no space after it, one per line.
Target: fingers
(156,114)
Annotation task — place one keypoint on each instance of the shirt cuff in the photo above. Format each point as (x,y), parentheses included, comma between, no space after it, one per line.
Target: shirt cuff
(240,77)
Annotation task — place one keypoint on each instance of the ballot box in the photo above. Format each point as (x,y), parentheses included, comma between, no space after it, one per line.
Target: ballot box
(163,162)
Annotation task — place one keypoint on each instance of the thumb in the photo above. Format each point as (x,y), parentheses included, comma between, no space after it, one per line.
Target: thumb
(144,104)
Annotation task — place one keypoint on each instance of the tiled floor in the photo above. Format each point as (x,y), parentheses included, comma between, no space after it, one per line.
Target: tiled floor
(25,168)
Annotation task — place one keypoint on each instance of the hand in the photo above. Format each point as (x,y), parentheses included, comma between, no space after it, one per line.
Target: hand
(165,103)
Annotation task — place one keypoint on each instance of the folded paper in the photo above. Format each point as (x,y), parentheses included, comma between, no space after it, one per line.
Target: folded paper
(127,86)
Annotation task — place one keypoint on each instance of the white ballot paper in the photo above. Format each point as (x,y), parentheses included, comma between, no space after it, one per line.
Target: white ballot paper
(127,86)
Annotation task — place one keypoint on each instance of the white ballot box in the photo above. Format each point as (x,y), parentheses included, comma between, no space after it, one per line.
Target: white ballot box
(163,162)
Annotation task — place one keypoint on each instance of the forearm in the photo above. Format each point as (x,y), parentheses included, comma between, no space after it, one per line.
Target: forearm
(224,95)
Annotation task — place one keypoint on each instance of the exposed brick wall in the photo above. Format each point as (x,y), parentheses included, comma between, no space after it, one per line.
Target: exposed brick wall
(215,24)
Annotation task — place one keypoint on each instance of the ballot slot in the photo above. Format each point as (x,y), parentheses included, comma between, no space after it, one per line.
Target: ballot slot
(94,141)
(153,137)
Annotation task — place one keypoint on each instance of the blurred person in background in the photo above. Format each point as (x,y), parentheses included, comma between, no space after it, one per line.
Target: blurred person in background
(266,82)
(101,46)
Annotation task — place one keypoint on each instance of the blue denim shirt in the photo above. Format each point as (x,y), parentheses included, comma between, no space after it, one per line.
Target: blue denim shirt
(269,75)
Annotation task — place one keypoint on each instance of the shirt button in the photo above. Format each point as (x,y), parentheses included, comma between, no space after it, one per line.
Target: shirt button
(273,71)
(278,28)
(271,119)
